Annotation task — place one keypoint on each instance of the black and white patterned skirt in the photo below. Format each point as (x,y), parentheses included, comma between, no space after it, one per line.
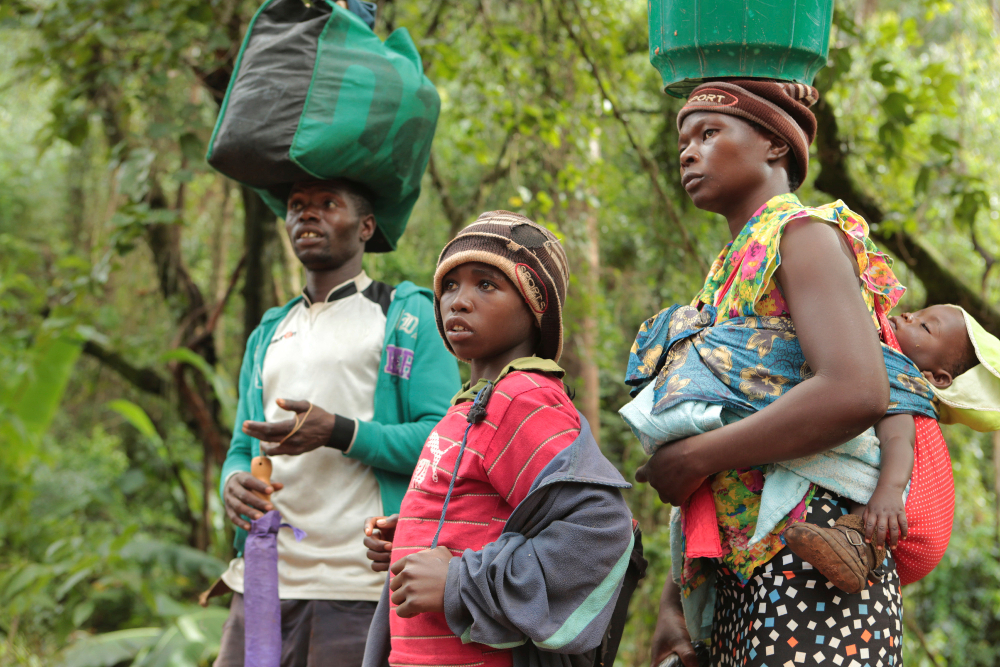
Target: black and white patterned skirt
(789,614)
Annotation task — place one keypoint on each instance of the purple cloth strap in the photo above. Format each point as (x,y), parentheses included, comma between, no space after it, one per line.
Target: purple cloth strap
(262,605)
(297,532)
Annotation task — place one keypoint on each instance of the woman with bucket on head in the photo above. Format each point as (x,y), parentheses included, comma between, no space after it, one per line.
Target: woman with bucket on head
(804,290)
(776,360)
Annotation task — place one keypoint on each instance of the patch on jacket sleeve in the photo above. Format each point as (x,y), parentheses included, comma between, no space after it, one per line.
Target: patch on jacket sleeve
(398,361)
(408,324)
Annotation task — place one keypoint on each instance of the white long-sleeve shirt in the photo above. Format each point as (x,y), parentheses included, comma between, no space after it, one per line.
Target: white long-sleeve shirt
(327,353)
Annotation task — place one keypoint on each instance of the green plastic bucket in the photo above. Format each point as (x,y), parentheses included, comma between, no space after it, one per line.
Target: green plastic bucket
(694,40)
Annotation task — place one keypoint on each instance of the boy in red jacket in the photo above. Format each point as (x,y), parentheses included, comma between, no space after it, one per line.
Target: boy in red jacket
(513,536)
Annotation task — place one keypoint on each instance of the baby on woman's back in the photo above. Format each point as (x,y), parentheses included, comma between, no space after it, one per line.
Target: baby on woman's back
(942,342)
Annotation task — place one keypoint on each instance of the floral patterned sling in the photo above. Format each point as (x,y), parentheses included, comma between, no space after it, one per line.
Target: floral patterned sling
(740,284)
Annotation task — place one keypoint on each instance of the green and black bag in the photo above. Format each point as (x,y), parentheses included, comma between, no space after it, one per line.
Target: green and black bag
(316,95)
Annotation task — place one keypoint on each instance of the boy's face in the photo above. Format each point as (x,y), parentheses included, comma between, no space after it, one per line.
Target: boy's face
(323,225)
(484,315)
(935,339)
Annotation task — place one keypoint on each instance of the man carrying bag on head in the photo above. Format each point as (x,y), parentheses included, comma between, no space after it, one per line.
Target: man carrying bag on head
(341,386)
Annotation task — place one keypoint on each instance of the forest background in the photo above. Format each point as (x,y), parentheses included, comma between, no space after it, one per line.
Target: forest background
(131,274)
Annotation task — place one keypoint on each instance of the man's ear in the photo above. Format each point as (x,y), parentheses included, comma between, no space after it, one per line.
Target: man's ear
(941,379)
(366,228)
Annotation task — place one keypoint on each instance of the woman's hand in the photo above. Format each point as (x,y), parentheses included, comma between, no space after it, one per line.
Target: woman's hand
(419,581)
(672,472)
(379,533)
(671,633)
(885,516)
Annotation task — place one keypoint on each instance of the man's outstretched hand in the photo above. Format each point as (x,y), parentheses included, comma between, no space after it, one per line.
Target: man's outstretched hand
(419,581)
(312,433)
(240,499)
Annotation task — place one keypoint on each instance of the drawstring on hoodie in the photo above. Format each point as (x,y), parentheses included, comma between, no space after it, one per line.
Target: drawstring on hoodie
(477,413)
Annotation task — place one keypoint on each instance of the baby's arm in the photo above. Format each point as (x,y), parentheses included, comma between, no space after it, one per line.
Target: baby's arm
(885,512)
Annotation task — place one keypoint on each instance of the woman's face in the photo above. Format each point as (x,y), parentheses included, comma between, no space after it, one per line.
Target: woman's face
(722,159)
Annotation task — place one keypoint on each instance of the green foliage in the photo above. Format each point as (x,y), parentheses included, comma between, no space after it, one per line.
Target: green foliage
(958,606)
(137,417)
(111,648)
(189,641)
(112,523)
(223,385)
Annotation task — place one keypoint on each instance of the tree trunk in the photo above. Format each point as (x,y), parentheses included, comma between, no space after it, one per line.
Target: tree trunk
(866,9)
(220,260)
(942,285)
(590,376)
(996,485)
(258,237)
(204,538)
(77,174)
(590,405)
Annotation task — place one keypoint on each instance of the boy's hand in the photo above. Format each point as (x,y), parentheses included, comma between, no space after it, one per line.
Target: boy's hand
(240,499)
(418,584)
(379,533)
(885,515)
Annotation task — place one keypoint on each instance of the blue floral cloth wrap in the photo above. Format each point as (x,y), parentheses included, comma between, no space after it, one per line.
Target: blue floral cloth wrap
(690,375)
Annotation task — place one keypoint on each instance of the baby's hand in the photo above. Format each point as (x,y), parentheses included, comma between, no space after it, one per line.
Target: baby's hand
(379,532)
(884,515)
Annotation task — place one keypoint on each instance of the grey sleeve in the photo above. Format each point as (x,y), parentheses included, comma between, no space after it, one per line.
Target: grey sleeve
(556,586)
(378,644)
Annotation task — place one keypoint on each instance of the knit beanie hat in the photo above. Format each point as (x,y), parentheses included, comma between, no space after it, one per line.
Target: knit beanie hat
(778,106)
(529,255)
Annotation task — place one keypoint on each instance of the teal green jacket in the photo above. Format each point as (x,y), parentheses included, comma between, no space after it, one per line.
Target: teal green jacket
(409,401)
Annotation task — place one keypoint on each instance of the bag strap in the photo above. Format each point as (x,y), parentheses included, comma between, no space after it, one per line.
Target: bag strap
(476,414)
(608,650)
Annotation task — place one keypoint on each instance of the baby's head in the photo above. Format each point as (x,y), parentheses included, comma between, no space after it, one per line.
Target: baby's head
(937,340)
(499,283)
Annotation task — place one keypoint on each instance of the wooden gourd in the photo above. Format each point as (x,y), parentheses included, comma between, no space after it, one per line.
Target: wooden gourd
(260,468)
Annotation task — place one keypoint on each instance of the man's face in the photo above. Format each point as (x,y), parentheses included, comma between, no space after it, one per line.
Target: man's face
(484,315)
(323,225)
(934,339)
(722,158)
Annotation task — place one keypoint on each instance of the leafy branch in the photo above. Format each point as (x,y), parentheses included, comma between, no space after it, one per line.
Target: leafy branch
(144,379)
(942,285)
(459,215)
(645,159)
